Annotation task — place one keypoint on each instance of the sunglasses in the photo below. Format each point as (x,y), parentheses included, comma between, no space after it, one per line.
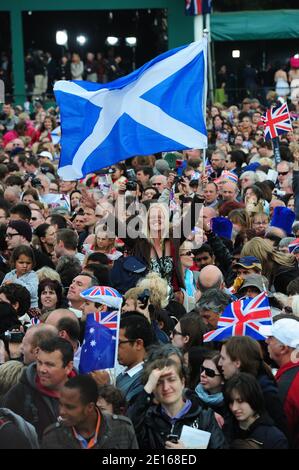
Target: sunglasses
(187,253)
(283,173)
(288,309)
(209,372)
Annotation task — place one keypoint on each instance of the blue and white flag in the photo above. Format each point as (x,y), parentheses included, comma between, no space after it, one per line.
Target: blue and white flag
(159,107)
(56,135)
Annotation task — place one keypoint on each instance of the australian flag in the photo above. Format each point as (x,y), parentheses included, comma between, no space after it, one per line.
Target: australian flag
(159,107)
(276,121)
(242,318)
(198,7)
(99,348)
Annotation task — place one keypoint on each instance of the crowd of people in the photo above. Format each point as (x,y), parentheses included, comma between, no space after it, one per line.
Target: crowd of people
(42,69)
(180,235)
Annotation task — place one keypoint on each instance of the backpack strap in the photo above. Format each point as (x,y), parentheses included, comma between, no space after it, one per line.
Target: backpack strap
(286,381)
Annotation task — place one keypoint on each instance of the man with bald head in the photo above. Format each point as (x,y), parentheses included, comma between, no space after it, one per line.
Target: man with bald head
(210,277)
(68,326)
(33,337)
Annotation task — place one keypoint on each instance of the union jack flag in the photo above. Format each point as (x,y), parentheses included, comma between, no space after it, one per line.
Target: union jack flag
(198,7)
(276,121)
(242,318)
(107,319)
(208,167)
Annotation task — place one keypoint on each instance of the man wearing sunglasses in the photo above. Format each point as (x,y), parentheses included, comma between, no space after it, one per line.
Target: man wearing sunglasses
(284,172)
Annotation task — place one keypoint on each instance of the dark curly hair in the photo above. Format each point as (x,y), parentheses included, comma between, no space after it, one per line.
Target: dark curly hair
(54,285)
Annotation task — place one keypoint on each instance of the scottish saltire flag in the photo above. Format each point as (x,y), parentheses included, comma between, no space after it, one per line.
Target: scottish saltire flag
(198,7)
(276,121)
(159,107)
(243,317)
(99,348)
(56,135)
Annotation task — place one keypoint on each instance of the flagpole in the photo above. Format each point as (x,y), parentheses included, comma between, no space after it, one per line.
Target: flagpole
(205,97)
(276,150)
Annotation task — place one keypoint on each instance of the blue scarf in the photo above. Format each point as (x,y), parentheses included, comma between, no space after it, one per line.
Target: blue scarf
(213,399)
(189,283)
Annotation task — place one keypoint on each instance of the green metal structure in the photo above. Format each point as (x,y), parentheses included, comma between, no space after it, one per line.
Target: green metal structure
(231,26)
(180,27)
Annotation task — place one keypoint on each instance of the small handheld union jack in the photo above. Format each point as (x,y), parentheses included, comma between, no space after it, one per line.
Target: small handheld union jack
(242,318)
(276,121)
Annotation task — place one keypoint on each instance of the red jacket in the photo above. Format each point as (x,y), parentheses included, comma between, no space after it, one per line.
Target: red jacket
(291,402)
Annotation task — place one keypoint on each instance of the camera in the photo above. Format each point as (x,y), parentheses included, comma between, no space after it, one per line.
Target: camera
(131,186)
(279,193)
(143,297)
(105,171)
(36,183)
(172,438)
(13,336)
(177,180)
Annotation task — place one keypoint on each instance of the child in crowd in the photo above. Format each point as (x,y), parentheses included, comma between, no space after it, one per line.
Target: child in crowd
(22,262)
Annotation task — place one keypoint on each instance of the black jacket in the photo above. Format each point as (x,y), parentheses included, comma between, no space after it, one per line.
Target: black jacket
(41,259)
(152,426)
(264,432)
(274,406)
(116,432)
(224,258)
(27,401)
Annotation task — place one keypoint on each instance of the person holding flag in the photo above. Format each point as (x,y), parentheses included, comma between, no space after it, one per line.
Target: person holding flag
(276,121)
(99,349)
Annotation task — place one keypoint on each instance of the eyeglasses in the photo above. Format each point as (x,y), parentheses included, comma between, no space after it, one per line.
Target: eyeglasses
(260,223)
(10,235)
(283,173)
(175,332)
(187,253)
(124,341)
(209,372)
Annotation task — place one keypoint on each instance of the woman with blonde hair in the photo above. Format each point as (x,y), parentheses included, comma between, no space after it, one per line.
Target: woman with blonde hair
(10,374)
(279,268)
(158,288)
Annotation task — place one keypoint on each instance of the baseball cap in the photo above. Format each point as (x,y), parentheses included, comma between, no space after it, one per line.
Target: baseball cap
(249,262)
(46,154)
(286,330)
